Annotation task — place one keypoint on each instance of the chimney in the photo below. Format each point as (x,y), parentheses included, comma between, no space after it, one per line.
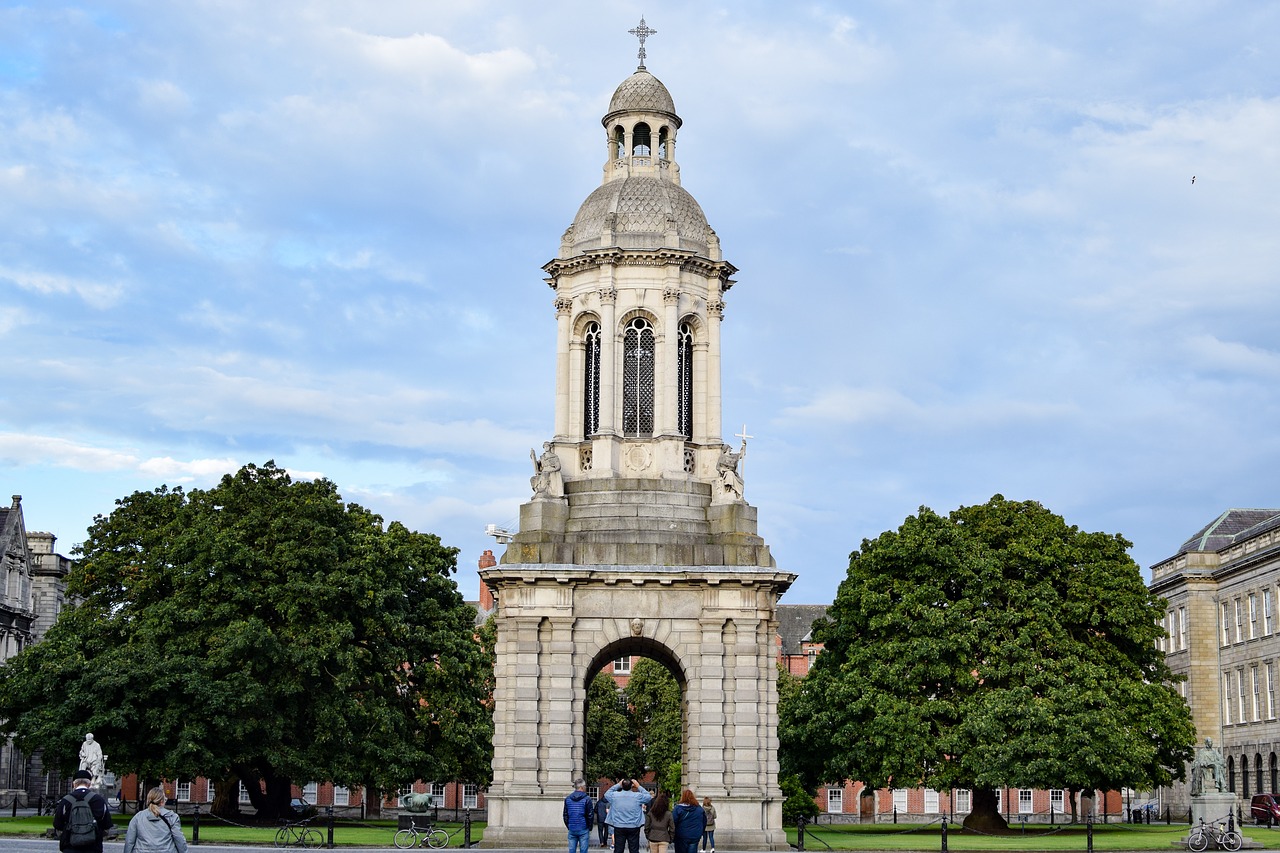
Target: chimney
(487,602)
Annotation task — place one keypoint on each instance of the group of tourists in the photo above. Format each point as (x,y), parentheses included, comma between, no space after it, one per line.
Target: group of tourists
(82,818)
(627,809)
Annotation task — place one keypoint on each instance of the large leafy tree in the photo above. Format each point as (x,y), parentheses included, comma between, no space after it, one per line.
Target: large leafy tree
(261,629)
(996,646)
(613,751)
(654,696)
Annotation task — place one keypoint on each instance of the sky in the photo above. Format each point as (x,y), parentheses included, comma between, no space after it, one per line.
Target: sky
(973,259)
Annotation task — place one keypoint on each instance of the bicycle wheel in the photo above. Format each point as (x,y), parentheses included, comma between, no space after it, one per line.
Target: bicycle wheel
(312,838)
(1232,840)
(406,838)
(1198,841)
(437,838)
(282,837)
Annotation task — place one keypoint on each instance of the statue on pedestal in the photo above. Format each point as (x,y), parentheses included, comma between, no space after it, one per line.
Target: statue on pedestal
(547,481)
(92,759)
(1208,770)
(731,486)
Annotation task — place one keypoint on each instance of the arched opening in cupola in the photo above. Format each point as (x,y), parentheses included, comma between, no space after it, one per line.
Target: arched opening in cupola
(640,140)
(663,148)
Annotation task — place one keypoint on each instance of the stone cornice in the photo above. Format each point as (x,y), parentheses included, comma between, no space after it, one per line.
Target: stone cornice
(686,260)
(568,573)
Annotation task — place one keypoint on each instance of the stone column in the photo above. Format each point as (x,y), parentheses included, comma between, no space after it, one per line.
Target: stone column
(667,378)
(715,315)
(564,312)
(608,356)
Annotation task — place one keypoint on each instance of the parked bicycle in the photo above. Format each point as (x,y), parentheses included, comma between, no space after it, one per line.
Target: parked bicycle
(1208,835)
(427,836)
(298,835)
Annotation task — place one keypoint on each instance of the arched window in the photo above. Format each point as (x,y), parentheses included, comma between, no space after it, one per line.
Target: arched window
(591,380)
(619,142)
(1231,773)
(1274,780)
(684,379)
(1244,775)
(1257,771)
(637,378)
(640,144)
(663,150)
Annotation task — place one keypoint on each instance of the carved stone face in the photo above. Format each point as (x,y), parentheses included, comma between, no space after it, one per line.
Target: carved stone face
(637,627)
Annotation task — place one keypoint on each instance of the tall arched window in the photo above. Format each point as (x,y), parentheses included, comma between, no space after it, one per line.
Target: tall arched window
(663,151)
(591,380)
(619,142)
(684,380)
(1231,773)
(637,378)
(1244,775)
(1257,771)
(1274,780)
(640,143)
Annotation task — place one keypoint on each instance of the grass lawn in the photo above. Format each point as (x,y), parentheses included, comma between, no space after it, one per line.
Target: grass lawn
(376,833)
(1111,836)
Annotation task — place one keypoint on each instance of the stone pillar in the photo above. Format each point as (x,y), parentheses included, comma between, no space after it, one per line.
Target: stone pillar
(564,312)
(608,356)
(715,315)
(667,379)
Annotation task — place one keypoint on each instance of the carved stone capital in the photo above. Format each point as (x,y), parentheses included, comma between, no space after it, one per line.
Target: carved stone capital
(608,295)
(564,304)
(671,294)
(715,308)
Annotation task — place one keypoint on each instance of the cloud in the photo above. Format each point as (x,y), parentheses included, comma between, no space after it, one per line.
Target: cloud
(98,294)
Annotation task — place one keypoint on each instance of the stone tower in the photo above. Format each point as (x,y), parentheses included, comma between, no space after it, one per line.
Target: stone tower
(637,539)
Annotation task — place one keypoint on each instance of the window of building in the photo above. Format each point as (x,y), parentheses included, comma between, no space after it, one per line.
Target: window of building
(310,791)
(404,791)
(244,793)
(183,792)
(1244,775)
(1182,629)
(1240,687)
(930,801)
(1231,773)
(1024,801)
(622,666)
(637,378)
(1226,624)
(962,801)
(593,791)
(1271,696)
(899,799)
(684,376)
(999,799)
(591,380)
(1257,693)
(640,140)
(208,791)
(1272,769)
(1267,625)
(1253,616)
(437,792)
(1239,612)
(470,796)
(1257,769)
(835,800)
(341,795)
(1057,801)
(1226,699)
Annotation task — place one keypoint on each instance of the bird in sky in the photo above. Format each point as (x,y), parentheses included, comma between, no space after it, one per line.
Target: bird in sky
(1193,179)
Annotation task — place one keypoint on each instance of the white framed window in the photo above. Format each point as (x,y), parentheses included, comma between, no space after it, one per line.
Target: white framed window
(208,791)
(1240,693)
(437,792)
(1239,621)
(405,790)
(1226,699)
(593,791)
(900,799)
(341,795)
(1253,616)
(1182,629)
(1257,693)
(1271,692)
(1057,801)
(835,800)
(962,801)
(1024,801)
(183,792)
(1267,624)
(244,793)
(309,792)
(622,666)
(1226,624)
(470,796)
(930,801)
(999,799)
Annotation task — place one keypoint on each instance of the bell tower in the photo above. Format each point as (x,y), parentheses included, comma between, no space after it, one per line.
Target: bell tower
(637,539)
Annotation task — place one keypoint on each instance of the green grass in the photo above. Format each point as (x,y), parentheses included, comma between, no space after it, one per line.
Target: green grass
(1038,837)
(374,833)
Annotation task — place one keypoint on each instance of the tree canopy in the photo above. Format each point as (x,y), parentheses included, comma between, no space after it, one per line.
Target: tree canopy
(996,646)
(260,629)
(654,697)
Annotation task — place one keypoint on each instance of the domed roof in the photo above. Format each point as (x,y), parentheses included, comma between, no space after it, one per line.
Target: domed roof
(642,92)
(640,207)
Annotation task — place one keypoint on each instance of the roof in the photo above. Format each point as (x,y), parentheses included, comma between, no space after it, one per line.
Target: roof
(635,212)
(1231,527)
(795,625)
(642,92)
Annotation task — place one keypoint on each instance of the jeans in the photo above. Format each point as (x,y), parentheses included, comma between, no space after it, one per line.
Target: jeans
(708,840)
(685,845)
(603,829)
(626,837)
(580,842)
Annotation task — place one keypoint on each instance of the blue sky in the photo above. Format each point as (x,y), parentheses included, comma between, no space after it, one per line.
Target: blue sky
(972,256)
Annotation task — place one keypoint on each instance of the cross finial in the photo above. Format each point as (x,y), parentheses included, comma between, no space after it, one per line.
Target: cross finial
(642,32)
(743,435)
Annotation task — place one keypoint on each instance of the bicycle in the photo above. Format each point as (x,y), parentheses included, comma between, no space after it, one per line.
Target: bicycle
(428,836)
(298,835)
(1207,834)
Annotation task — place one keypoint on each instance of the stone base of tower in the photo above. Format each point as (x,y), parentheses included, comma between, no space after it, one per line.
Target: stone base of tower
(534,821)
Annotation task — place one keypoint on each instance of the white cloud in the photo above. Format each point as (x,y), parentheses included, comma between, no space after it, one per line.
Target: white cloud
(98,294)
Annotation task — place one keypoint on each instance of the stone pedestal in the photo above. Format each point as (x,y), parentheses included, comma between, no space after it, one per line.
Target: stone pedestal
(1213,806)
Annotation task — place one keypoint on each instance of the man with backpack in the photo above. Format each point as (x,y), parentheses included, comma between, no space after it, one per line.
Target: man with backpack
(81,817)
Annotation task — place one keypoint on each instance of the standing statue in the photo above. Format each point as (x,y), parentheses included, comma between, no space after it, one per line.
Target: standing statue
(92,759)
(730,480)
(547,481)
(1208,770)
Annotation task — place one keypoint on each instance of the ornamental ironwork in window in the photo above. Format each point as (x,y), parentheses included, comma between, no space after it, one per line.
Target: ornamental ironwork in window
(637,379)
(684,371)
(591,380)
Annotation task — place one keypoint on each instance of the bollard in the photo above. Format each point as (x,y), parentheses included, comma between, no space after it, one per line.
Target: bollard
(944,834)
(1231,821)
(466,828)
(15,805)
(1168,815)
(329,812)
(195,826)
(800,834)
(895,814)
(1088,831)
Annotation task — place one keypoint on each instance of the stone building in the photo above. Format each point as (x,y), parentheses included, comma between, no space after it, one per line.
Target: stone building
(33,577)
(1222,631)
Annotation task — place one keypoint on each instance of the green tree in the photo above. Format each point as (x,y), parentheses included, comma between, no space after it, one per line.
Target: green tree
(997,646)
(797,803)
(262,630)
(613,751)
(654,697)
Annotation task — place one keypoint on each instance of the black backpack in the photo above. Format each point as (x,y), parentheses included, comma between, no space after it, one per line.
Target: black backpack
(82,826)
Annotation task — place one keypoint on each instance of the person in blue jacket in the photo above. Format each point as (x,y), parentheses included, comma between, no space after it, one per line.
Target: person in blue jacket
(602,821)
(579,814)
(626,813)
(690,822)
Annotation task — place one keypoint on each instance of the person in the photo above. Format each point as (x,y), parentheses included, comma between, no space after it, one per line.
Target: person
(547,480)
(658,824)
(155,829)
(625,815)
(690,821)
(727,466)
(709,832)
(92,759)
(602,821)
(579,814)
(62,813)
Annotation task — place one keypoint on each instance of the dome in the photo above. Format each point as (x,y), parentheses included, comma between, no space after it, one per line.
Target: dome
(641,207)
(642,92)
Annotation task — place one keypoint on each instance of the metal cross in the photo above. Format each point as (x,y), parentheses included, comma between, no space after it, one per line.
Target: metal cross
(743,435)
(642,32)
(743,462)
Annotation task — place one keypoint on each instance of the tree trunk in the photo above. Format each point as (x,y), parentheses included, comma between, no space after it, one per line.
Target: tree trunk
(272,803)
(226,796)
(1071,795)
(372,801)
(985,816)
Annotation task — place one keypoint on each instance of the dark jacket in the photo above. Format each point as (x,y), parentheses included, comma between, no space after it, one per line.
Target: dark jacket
(690,822)
(602,810)
(659,828)
(579,812)
(62,814)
